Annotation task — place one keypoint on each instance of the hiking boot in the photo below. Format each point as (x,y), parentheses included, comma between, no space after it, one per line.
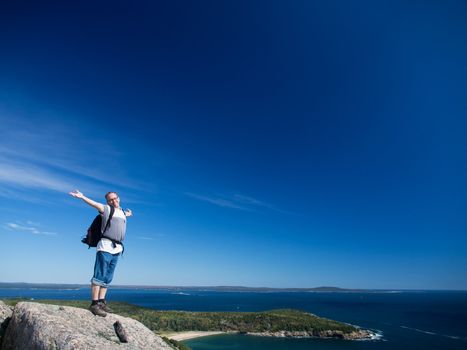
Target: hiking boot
(97,310)
(104,307)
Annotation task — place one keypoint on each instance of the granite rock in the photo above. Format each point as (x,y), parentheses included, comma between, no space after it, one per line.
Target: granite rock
(5,315)
(42,327)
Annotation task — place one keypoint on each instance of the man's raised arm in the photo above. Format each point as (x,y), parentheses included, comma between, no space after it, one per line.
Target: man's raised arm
(78,194)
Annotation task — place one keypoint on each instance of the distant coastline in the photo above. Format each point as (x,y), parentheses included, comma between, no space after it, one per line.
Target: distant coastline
(25,285)
(324,289)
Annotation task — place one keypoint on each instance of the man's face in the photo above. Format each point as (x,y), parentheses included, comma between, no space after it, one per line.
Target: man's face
(113,200)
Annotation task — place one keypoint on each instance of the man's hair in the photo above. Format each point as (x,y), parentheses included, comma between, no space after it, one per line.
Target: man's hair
(107,194)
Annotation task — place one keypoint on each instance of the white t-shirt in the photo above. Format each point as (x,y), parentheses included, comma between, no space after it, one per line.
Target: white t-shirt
(106,245)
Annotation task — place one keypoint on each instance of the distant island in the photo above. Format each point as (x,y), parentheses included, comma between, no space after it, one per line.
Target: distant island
(273,323)
(24,285)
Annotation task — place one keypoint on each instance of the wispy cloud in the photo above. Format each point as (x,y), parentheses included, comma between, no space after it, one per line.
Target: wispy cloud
(248,200)
(151,238)
(221,202)
(30,176)
(56,157)
(27,228)
(146,238)
(29,222)
(20,193)
(236,201)
(255,202)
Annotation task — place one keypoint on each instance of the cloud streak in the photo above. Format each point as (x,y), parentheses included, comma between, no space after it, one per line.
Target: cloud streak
(29,229)
(255,202)
(55,158)
(237,201)
(30,176)
(221,202)
(151,238)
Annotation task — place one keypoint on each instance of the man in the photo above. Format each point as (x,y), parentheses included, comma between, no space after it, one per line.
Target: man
(108,248)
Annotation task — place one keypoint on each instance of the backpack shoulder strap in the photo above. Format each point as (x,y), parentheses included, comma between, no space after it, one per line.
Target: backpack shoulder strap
(107,224)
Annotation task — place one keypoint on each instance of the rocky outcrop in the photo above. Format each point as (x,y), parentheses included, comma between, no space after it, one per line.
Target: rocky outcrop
(44,327)
(5,315)
(356,335)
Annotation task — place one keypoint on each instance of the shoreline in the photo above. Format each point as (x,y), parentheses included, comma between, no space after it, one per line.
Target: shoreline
(358,335)
(181,336)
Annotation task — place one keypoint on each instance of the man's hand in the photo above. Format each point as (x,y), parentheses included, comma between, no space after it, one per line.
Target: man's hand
(77,194)
(128,212)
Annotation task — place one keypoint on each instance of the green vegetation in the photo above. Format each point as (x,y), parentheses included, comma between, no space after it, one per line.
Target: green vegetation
(178,321)
(176,344)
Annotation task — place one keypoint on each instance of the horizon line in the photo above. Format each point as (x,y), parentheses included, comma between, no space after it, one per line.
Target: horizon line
(142,286)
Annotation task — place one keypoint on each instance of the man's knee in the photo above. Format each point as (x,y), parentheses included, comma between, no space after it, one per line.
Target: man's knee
(98,282)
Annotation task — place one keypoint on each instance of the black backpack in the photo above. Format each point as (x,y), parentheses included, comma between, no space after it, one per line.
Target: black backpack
(94,233)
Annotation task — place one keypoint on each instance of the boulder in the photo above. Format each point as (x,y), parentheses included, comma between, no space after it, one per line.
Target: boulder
(44,327)
(5,315)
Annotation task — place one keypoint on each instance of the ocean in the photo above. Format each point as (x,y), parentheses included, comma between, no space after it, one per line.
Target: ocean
(403,319)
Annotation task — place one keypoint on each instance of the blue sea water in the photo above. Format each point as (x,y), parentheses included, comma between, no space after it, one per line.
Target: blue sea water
(404,319)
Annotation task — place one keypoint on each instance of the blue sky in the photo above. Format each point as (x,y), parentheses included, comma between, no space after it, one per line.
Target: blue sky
(259,143)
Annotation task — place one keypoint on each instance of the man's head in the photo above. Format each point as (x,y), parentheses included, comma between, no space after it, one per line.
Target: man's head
(112,199)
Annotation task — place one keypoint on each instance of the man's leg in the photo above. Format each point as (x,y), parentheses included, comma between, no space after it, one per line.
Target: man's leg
(98,285)
(95,307)
(113,259)
(95,291)
(102,292)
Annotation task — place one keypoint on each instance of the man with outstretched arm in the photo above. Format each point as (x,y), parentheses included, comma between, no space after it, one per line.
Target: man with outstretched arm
(108,249)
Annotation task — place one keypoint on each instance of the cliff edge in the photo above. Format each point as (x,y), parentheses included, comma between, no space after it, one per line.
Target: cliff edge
(44,327)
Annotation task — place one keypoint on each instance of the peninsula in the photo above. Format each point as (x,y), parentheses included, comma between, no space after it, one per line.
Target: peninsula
(274,323)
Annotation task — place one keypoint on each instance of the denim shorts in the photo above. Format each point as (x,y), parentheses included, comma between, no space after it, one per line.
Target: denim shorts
(104,268)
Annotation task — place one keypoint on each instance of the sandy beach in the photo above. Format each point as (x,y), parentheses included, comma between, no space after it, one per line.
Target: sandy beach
(179,336)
